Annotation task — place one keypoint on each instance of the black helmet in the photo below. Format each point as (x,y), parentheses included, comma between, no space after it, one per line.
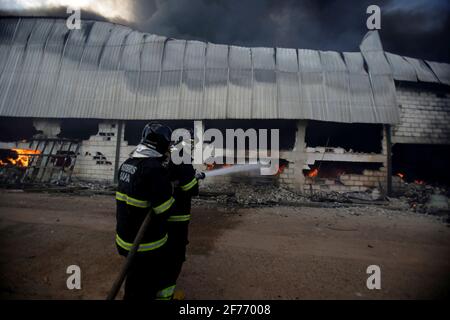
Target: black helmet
(157,136)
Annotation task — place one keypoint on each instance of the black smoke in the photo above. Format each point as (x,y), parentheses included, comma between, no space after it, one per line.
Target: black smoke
(416,28)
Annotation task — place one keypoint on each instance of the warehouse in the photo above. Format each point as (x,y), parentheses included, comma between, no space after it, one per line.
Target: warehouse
(79,98)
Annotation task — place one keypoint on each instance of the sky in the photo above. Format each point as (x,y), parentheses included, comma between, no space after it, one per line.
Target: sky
(415,28)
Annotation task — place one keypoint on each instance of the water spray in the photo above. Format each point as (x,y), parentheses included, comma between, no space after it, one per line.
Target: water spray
(229,170)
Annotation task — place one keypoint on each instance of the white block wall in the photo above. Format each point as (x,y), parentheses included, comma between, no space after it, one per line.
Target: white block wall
(96,156)
(424,117)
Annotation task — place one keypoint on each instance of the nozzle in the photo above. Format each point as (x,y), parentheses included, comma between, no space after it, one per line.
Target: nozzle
(200,175)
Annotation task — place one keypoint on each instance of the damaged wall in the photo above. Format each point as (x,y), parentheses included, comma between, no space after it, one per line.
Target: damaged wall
(304,158)
(96,157)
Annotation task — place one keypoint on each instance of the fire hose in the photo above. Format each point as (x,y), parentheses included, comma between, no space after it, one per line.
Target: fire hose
(130,257)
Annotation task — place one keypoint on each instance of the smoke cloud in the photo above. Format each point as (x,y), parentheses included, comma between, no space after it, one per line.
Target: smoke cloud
(416,28)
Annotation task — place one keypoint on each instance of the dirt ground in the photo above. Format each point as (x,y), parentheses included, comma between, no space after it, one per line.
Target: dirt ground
(259,253)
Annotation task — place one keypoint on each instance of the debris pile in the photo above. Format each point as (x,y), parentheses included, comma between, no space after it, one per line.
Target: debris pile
(250,195)
(370,196)
(423,198)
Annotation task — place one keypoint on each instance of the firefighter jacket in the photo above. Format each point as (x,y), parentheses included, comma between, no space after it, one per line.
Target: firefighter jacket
(186,186)
(144,186)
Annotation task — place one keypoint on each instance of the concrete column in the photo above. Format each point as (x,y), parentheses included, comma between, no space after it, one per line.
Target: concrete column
(294,177)
(199,129)
(388,143)
(119,133)
(299,155)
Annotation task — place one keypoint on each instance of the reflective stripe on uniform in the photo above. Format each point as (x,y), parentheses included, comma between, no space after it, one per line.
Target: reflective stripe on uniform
(180,218)
(165,206)
(189,185)
(132,201)
(143,246)
(165,294)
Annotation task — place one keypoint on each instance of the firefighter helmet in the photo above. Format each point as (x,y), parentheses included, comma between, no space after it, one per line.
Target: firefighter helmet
(157,136)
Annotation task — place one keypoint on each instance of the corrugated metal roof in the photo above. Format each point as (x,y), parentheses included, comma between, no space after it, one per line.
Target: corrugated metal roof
(288,84)
(401,69)
(49,70)
(423,72)
(240,83)
(337,91)
(441,70)
(193,81)
(110,76)
(109,71)
(361,95)
(381,78)
(264,104)
(312,88)
(216,83)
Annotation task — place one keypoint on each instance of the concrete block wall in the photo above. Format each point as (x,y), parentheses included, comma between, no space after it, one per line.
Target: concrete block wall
(424,116)
(96,157)
(292,176)
(369,179)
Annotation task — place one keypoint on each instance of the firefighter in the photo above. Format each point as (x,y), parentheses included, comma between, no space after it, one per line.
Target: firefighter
(185,187)
(144,186)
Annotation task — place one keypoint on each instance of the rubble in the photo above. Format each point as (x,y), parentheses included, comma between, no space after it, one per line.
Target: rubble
(422,198)
(417,198)
(246,195)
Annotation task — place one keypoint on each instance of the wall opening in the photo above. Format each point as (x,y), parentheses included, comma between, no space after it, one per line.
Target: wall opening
(287,129)
(133,129)
(16,129)
(81,129)
(364,138)
(422,163)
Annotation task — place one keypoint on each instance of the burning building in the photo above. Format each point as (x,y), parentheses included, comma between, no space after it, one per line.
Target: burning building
(351,121)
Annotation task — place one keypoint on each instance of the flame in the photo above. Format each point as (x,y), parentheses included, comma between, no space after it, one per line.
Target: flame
(23,158)
(401,175)
(212,166)
(281,169)
(419,182)
(313,173)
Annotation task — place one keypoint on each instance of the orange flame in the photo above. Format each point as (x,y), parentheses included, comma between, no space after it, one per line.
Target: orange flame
(401,175)
(313,173)
(212,166)
(281,169)
(23,158)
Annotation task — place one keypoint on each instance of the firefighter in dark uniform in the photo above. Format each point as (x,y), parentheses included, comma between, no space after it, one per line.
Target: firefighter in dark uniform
(185,187)
(144,186)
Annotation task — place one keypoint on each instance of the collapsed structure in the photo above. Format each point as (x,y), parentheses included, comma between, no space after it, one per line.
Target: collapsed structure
(348,121)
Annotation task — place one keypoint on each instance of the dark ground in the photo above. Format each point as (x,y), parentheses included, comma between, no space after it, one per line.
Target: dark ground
(263,253)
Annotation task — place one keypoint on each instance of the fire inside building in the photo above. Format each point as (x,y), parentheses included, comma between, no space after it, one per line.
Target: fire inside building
(73,102)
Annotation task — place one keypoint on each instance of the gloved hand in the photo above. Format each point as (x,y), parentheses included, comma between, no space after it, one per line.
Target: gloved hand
(200,175)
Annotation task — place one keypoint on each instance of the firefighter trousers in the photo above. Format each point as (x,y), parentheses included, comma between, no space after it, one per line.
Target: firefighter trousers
(147,274)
